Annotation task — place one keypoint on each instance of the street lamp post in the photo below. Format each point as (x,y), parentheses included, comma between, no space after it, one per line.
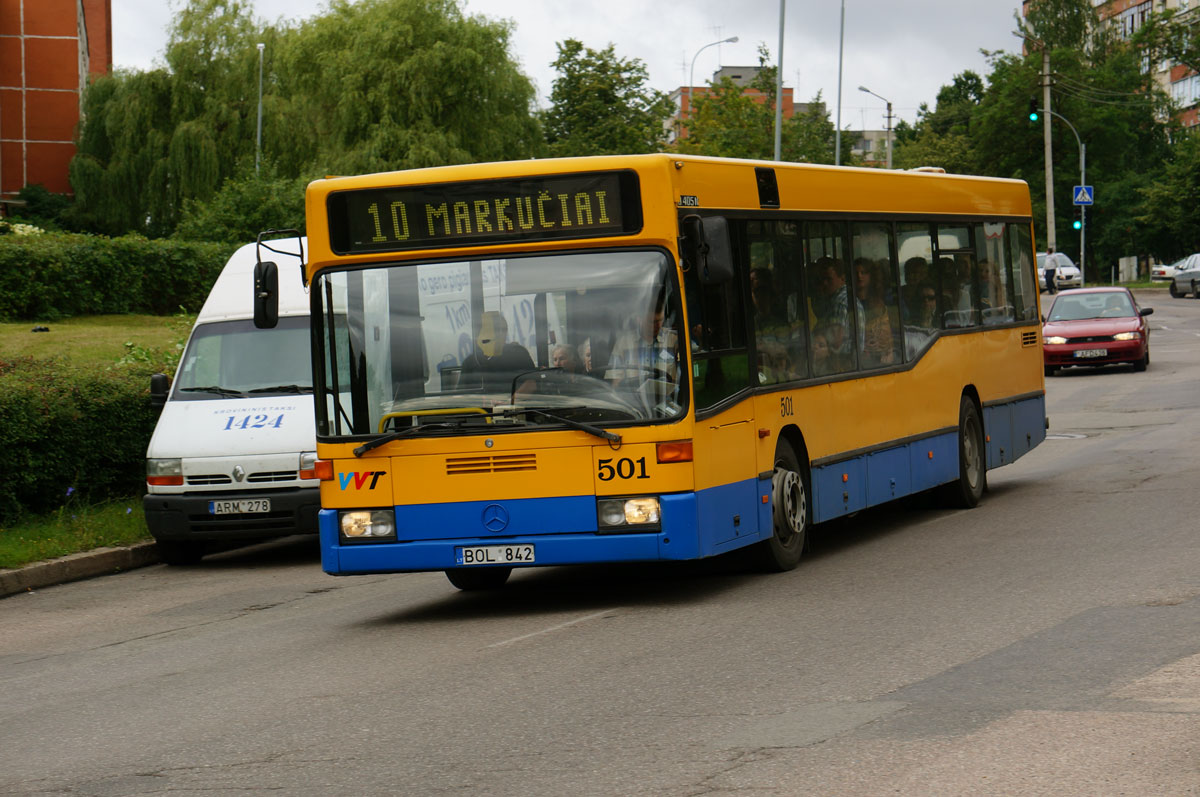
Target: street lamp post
(258,145)
(692,72)
(1082,182)
(889,122)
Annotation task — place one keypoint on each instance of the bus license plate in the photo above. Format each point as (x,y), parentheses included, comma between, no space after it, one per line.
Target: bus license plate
(243,506)
(1085,353)
(494,555)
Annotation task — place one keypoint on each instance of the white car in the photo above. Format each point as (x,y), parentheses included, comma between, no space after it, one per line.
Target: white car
(1164,273)
(1066,273)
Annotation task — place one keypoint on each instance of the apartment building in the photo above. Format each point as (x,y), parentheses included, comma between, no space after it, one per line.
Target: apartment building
(48,50)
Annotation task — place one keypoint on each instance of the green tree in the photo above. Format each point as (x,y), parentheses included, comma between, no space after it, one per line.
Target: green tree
(398,84)
(368,86)
(600,104)
(1169,207)
(736,122)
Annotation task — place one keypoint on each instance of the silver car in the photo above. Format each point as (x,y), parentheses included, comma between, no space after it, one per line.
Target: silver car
(1187,278)
(1066,273)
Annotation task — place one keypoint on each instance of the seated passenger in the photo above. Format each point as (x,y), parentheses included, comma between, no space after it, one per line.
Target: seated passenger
(495,362)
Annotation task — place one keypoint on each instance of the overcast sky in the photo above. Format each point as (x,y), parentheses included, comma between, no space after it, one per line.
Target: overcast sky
(904,50)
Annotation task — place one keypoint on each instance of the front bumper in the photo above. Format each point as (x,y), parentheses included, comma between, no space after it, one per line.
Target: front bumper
(186,516)
(1118,351)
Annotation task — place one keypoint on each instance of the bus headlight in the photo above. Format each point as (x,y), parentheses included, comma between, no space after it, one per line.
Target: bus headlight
(1055,340)
(368,525)
(615,512)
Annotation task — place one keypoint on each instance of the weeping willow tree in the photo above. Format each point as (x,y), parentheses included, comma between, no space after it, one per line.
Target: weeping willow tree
(367,86)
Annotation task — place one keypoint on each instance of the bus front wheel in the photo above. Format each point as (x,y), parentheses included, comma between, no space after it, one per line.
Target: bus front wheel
(791,514)
(481,578)
(965,491)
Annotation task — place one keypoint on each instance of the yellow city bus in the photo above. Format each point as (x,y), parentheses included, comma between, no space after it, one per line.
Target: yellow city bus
(656,357)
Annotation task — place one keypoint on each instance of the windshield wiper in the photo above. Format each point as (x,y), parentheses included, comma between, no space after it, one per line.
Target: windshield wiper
(220,391)
(595,431)
(282,389)
(405,432)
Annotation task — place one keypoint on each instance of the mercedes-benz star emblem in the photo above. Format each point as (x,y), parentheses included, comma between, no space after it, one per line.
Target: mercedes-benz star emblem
(495,518)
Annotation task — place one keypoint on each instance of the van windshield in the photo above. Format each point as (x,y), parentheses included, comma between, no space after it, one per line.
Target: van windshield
(233,359)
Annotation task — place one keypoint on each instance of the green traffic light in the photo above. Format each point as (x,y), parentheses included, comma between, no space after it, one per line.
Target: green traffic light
(1077,224)
(1033,117)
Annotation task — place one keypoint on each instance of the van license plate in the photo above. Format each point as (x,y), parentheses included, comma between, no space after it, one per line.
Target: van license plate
(242,506)
(494,555)
(1089,353)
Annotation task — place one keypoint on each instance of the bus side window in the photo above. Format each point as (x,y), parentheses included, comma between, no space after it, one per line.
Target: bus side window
(717,332)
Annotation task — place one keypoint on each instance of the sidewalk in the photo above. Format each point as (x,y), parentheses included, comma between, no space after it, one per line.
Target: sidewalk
(99,562)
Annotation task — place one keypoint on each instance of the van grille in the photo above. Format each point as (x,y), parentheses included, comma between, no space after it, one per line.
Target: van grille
(264,477)
(497,463)
(1029,339)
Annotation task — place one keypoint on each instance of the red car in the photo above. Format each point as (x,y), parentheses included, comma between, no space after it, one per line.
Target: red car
(1096,326)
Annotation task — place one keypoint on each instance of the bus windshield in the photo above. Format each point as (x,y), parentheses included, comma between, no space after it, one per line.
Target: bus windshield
(584,337)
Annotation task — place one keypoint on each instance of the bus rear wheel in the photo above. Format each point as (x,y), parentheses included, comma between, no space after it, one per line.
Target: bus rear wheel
(791,514)
(470,580)
(965,491)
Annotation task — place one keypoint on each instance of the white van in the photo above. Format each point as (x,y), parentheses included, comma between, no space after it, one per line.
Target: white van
(232,454)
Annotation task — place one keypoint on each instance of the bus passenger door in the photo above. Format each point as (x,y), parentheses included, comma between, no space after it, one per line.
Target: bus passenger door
(726,479)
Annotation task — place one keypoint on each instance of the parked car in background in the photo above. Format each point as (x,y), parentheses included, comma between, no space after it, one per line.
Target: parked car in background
(1095,326)
(1187,278)
(1165,273)
(1066,273)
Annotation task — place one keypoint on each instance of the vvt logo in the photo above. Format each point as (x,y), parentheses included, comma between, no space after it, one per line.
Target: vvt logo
(360,478)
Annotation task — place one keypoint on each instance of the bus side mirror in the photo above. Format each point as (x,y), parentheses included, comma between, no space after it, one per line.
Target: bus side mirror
(160,385)
(266,295)
(707,249)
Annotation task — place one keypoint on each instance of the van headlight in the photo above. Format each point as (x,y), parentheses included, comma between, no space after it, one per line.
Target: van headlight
(164,472)
(614,513)
(367,525)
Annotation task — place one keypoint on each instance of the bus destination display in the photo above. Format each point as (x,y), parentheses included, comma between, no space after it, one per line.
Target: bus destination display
(496,211)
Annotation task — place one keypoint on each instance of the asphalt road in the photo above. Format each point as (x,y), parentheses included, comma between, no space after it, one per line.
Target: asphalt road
(1047,642)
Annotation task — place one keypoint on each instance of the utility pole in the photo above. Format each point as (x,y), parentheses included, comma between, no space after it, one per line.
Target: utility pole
(1049,155)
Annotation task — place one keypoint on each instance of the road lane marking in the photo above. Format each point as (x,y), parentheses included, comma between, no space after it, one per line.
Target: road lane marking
(551,629)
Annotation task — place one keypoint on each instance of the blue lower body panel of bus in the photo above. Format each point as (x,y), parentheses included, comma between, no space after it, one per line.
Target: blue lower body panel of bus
(563,531)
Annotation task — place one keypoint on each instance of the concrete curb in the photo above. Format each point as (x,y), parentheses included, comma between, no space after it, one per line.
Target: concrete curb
(99,562)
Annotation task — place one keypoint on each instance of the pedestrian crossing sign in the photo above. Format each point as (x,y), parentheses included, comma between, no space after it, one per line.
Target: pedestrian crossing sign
(1083,194)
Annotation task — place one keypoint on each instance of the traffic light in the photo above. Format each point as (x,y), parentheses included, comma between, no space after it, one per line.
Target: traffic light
(1078,223)
(1033,110)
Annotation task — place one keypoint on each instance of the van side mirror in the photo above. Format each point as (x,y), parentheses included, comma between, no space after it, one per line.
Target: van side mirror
(160,385)
(707,249)
(266,295)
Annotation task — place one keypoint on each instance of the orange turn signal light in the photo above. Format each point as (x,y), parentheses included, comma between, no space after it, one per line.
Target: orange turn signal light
(680,451)
(322,469)
(164,481)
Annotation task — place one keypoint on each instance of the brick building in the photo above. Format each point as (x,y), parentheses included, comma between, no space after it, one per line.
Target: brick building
(48,50)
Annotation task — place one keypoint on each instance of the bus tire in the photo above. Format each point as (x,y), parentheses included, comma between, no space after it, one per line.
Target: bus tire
(791,514)
(482,578)
(965,491)
(179,552)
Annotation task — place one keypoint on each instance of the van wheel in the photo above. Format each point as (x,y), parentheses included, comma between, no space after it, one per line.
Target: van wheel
(470,580)
(179,552)
(791,514)
(965,491)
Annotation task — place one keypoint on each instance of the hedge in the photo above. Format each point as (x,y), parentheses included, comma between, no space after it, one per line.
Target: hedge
(71,431)
(57,275)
